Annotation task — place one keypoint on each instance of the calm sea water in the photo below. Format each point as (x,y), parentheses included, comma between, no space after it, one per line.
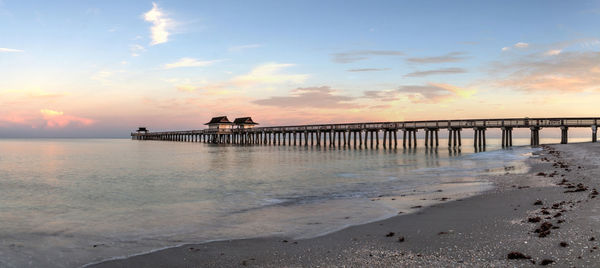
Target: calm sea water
(71,202)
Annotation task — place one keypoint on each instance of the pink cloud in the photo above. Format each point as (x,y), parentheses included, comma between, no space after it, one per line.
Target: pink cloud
(59,119)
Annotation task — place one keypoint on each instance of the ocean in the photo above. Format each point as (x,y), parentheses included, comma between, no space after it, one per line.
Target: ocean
(72,202)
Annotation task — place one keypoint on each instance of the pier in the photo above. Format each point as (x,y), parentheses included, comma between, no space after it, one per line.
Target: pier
(243,131)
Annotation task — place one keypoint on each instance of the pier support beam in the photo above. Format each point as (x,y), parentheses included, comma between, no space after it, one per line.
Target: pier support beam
(594,133)
(535,136)
(479,140)
(411,134)
(431,137)
(454,137)
(564,135)
(507,136)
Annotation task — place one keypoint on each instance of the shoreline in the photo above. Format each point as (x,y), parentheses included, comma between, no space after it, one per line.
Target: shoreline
(404,203)
(475,231)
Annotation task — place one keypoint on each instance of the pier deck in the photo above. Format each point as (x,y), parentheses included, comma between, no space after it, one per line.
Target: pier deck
(368,134)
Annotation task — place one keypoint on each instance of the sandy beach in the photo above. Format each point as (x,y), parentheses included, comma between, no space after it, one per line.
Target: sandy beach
(548,216)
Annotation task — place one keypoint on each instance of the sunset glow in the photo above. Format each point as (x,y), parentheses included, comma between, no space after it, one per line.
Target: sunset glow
(100,69)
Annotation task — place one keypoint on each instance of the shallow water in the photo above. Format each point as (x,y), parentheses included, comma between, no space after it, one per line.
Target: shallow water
(69,202)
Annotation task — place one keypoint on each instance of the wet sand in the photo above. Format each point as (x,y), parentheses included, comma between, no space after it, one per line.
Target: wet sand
(549,216)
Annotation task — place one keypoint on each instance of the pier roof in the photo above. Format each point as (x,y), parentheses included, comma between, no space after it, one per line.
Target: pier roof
(244,120)
(219,120)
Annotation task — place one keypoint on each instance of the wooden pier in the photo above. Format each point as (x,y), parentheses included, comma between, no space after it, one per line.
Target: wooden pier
(368,135)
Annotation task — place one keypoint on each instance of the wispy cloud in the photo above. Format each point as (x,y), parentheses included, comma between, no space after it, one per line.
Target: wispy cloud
(186,88)
(522,45)
(311,97)
(438,71)
(450,57)
(382,95)
(243,47)
(519,45)
(189,62)
(136,49)
(428,93)
(552,52)
(261,77)
(353,56)
(434,92)
(563,72)
(101,75)
(369,70)
(161,25)
(269,73)
(10,50)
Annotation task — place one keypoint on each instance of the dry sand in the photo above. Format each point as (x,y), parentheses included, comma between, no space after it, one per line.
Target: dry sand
(479,231)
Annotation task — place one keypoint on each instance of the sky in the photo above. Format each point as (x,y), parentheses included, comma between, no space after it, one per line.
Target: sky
(103,68)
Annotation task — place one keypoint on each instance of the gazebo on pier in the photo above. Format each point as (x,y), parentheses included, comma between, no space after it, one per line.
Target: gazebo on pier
(244,122)
(219,122)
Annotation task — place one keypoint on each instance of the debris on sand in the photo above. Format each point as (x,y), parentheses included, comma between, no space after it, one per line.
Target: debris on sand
(546,262)
(541,174)
(515,255)
(401,239)
(534,219)
(580,188)
(545,212)
(417,207)
(564,244)
(592,238)
(538,203)
(544,229)
(390,234)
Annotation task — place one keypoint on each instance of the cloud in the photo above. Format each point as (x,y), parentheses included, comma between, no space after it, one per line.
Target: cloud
(189,62)
(160,25)
(261,77)
(243,47)
(136,49)
(369,70)
(429,93)
(186,88)
(564,72)
(353,56)
(311,97)
(268,73)
(10,50)
(552,52)
(438,71)
(102,75)
(434,92)
(520,45)
(382,95)
(450,57)
(58,119)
